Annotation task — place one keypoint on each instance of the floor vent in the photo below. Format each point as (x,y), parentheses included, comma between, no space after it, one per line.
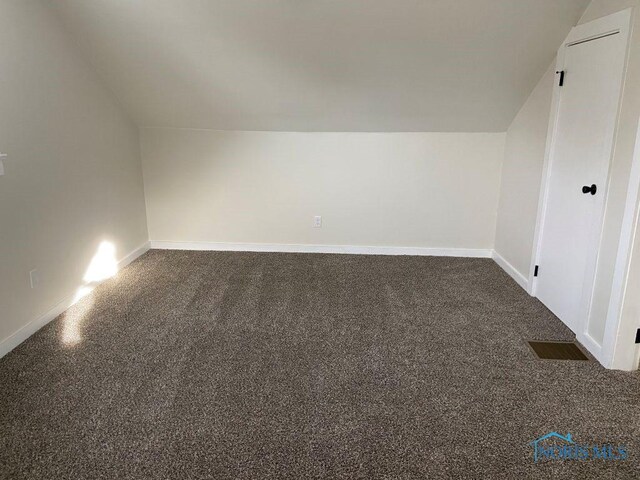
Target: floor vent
(557,350)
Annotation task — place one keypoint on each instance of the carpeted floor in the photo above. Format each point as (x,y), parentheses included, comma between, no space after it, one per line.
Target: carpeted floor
(248,365)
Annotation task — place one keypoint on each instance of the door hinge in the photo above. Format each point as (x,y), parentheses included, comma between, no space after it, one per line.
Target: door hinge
(535,271)
(561,81)
(638,336)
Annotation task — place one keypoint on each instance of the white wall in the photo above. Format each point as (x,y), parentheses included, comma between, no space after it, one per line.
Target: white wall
(372,189)
(521,177)
(73,176)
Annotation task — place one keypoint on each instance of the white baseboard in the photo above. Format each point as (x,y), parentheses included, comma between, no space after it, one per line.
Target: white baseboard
(511,270)
(131,256)
(32,327)
(296,248)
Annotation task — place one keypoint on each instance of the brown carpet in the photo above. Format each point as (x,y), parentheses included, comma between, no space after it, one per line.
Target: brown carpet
(247,365)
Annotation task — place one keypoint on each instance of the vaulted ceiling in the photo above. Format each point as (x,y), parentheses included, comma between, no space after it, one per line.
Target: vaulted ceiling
(322,65)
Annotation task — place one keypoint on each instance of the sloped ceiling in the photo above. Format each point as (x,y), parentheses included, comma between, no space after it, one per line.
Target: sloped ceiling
(322,65)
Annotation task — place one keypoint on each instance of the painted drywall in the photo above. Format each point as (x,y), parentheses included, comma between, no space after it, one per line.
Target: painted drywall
(357,65)
(371,189)
(522,176)
(72,176)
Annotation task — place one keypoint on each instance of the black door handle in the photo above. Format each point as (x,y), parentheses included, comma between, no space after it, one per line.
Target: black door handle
(592,189)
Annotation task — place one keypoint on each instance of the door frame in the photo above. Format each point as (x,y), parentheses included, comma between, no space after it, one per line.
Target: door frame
(617,349)
(619,22)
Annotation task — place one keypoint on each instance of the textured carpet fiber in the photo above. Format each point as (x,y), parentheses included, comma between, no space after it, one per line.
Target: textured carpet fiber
(249,365)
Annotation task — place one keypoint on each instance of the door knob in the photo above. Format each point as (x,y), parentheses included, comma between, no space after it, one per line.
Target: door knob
(592,189)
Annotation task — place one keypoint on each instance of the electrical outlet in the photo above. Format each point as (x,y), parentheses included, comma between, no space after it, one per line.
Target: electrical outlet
(34,278)
(317,221)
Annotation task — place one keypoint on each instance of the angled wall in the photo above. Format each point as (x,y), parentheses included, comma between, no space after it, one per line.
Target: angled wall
(522,176)
(72,177)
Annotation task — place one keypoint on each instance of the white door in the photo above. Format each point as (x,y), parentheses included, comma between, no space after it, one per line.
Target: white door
(579,159)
